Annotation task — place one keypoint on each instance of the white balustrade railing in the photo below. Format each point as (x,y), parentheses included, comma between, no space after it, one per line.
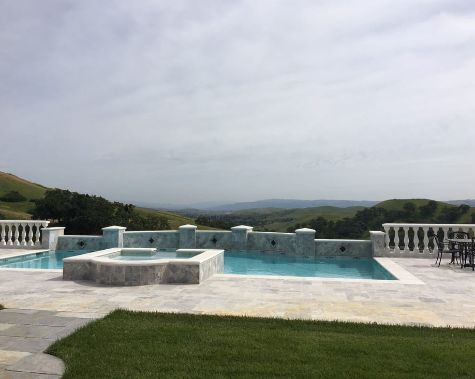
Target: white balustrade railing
(21,233)
(415,238)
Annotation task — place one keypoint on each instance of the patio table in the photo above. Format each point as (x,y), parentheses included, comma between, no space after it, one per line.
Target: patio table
(466,246)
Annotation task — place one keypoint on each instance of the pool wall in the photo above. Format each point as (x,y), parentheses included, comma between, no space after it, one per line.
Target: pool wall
(300,243)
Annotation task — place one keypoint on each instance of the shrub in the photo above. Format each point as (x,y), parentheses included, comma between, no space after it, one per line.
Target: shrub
(13,197)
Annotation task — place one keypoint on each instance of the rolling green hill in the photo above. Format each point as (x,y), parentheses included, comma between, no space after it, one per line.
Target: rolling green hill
(398,205)
(22,210)
(19,210)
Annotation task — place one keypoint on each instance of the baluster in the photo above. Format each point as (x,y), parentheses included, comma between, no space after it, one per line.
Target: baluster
(416,239)
(396,240)
(2,234)
(446,229)
(30,234)
(17,235)
(425,248)
(386,236)
(37,235)
(406,238)
(23,234)
(10,235)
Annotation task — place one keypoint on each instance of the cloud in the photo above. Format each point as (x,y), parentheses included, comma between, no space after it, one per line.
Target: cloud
(244,99)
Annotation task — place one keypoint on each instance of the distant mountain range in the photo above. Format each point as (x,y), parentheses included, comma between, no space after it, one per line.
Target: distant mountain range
(284,204)
(291,204)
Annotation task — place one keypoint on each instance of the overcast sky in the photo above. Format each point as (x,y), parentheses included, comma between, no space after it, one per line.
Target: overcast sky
(190,101)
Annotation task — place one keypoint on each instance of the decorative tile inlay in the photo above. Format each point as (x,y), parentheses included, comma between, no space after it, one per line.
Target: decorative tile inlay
(273,243)
(151,240)
(214,240)
(342,248)
(81,244)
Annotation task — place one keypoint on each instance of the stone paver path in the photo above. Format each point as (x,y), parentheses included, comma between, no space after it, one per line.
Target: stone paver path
(25,334)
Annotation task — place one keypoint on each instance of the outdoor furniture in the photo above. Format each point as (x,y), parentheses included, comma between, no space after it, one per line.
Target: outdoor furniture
(467,251)
(446,247)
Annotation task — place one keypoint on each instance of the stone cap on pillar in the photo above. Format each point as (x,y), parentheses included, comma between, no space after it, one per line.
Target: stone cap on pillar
(376,233)
(114,227)
(305,231)
(55,228)
(187,226)
(242,227)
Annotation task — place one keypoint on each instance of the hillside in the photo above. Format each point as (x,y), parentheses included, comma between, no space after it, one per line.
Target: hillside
(22,210)
(19,210)
(398,205)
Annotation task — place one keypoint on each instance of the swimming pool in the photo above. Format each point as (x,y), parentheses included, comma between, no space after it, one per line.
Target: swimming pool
(235,262)
(42,260)
(260,263)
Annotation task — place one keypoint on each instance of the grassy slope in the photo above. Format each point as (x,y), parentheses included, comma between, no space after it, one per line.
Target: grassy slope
(20,210)
(150,345)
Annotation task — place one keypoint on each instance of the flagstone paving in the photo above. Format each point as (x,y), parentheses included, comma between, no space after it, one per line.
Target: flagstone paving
(46,307)
(25,334)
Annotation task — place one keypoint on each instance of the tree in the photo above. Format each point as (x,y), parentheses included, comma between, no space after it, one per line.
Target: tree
(429,209)
(13,197)
(86,214)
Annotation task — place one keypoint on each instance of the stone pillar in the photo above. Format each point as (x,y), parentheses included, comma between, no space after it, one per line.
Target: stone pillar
(49,237)
(377,243)
(240,233)
(187,236)
(305,242)
(113,236)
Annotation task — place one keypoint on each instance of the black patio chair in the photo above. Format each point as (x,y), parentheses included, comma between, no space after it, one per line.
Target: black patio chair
(446,247)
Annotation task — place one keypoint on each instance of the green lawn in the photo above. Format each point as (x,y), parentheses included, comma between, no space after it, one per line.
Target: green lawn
(151,345)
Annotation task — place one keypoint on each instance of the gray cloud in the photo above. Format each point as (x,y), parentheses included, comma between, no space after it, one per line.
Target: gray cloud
(189,101)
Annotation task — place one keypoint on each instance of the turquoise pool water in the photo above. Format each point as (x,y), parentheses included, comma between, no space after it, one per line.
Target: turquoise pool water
(44,260)
(235,262)
(260,263)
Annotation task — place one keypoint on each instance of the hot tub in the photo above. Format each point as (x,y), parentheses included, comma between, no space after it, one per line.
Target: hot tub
(131,267)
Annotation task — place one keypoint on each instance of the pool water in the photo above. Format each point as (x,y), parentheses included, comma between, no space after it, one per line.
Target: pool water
(260,263)
(43,260)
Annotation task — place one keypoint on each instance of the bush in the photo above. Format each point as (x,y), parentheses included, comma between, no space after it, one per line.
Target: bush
(13,197)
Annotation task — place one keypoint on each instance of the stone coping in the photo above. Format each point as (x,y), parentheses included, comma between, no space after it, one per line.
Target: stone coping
(101,256)
(401,274)
(19,253)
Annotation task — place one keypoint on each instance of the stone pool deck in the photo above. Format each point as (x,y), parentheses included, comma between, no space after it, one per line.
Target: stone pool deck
(446,296)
